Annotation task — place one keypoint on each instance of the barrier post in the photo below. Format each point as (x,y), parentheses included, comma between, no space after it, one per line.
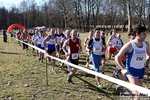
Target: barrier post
(46,72)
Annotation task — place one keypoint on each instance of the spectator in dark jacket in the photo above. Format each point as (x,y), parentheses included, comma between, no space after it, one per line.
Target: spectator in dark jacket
(4,36)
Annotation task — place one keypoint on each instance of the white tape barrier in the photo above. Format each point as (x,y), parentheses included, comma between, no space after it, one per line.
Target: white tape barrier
(111,79)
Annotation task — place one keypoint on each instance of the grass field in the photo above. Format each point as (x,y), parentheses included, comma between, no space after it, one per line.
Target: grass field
(23,78)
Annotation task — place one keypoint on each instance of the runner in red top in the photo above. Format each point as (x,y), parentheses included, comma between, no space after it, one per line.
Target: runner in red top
(74,48)
(19,36)
(24,37)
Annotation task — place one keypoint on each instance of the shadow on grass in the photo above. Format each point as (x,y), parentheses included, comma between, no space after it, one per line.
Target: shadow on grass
(64,68)
(85,75)
(94,88)
(147,80)
(82,62)
(9,53)
(109,71)
(110,65)
(82,58)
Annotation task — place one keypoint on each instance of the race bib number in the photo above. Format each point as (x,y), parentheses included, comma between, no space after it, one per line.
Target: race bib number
(58,39)
(96,49)
(25,39)
(74,56)
(139,59)
(114,44)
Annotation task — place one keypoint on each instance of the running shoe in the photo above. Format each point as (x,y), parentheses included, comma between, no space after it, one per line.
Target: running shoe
(100,86)
(53,71)
(70,81)
(61,64)
(127,93)
(114,73)
(118,87)
(87,65)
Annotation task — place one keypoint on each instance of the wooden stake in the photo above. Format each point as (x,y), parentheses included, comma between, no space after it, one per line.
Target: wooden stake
(46,73)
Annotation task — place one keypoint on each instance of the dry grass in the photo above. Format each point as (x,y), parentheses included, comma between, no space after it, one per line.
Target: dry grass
(23,78)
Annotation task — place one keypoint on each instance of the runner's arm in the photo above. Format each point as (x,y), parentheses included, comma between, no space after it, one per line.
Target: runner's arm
(46,39)
(104,44)
(89,45)
(66,43)
(148,54)
(127,47)
(32,38)
(85,41)
(109,40)
(80,49)
(35,41)
(147,58)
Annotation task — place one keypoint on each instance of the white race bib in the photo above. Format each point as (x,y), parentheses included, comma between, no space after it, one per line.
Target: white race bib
(25,39)
(96,49)
(74,56)
(139,59)
(114,44)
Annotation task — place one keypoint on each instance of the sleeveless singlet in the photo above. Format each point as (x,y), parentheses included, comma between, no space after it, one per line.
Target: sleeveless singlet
(51,44)
(136,57)
(73,49)
(97,46)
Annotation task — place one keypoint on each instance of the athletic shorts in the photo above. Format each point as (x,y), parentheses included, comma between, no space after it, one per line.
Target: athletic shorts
(103,56)
(39,45)
(112,50)
(51,51)
(136,73)
(25,45)
(76,62)
(96,60)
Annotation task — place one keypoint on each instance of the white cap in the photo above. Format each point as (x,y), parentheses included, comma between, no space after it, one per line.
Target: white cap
(67,31)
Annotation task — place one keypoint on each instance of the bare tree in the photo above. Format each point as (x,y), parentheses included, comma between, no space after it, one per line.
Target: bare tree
(80,14)
(129,15)
(3,18)
(149,16)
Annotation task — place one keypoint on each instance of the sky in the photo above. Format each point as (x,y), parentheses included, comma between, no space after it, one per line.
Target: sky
(9,3)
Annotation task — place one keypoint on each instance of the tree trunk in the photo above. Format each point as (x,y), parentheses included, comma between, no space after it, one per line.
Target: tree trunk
(149,16)
(129,16)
